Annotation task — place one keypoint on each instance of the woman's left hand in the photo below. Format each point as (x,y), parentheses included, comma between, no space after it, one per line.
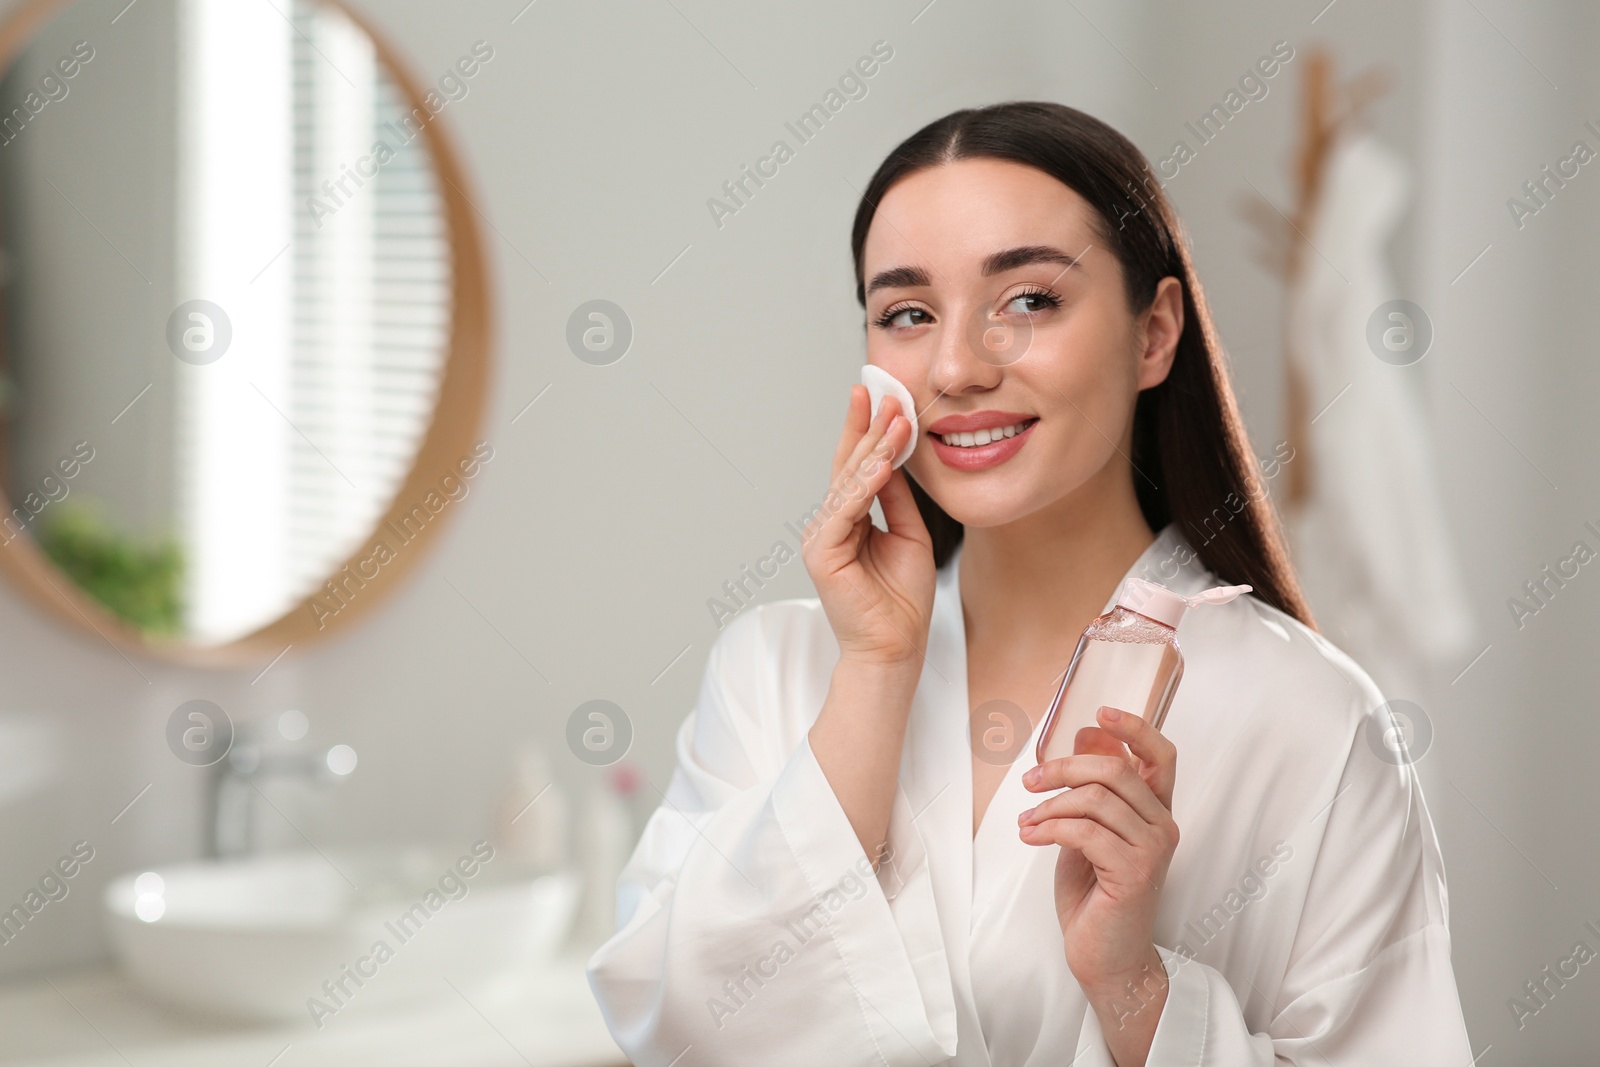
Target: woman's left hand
(1117,837)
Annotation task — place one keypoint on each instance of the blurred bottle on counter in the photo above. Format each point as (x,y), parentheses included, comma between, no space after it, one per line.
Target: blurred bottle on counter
(531,815)
(607,833)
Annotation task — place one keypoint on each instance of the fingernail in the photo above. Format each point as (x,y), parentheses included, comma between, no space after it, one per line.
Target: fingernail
(1111,714)
(1031,776)
(1024,816)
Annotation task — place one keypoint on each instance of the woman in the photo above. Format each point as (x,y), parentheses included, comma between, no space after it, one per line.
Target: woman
(850,864)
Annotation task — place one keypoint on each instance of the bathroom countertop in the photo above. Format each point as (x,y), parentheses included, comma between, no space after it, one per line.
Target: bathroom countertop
(95,1018)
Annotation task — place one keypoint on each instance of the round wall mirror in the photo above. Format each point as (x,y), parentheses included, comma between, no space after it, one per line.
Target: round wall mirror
(243,340)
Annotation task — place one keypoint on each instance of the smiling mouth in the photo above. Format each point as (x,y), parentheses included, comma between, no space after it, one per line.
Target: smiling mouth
(979,438)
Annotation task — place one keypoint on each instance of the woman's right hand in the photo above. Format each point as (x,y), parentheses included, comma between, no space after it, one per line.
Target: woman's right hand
(876,586)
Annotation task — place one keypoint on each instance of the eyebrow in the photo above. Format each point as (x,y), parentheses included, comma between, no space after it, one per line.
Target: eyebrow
(998,263)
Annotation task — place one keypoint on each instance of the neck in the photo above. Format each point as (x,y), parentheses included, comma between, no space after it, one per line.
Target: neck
(1032,585)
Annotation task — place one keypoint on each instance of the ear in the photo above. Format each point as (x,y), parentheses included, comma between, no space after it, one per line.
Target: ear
(1163,325)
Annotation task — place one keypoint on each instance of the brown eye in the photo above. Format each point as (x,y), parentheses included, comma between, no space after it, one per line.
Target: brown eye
(902,318)
(1033,302)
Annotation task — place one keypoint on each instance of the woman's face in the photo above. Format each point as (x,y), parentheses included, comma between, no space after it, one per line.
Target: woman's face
(992,296)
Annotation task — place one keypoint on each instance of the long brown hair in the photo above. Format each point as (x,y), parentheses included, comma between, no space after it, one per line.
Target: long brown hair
(1188,438)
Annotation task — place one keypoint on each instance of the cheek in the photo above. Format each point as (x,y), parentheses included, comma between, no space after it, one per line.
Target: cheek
(1081,441)
(908,362)
(1087,392)
(1091,379)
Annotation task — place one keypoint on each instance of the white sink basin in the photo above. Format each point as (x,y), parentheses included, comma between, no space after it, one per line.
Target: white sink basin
(273,937)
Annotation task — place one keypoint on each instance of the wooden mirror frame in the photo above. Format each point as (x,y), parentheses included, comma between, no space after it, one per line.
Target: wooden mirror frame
(448,440)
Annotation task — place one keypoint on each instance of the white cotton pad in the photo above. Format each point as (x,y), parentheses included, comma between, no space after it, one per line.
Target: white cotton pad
(880,383)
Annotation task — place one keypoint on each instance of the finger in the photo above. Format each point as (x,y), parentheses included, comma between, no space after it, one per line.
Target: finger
(1078,769)
(849,500)
(845,484)
(1095,741)
(1093,801)
(898,431)
(1111,858)
(888,411)
(874,454)
(856,420)
(1113,772)
(896,436)
(1155,751)
(900,508)
(863,444)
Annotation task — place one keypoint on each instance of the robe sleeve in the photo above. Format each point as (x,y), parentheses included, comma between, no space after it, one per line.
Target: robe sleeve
(751,925)
(1368,979)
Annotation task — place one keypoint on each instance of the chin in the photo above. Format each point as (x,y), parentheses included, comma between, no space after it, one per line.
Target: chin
(1011,493)
(982,508)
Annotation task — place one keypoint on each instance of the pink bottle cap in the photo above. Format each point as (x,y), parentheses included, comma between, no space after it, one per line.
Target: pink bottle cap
(1166,607)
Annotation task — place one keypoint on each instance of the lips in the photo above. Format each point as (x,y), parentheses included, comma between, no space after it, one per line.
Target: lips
(979,438)
(959,440)
(978,420)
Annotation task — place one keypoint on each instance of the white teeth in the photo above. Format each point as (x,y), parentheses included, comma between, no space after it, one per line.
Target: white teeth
(981,437)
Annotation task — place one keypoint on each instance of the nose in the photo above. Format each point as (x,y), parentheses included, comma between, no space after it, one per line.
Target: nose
(964,359)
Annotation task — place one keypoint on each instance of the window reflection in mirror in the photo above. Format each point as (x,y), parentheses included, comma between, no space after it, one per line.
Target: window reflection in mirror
(228,284)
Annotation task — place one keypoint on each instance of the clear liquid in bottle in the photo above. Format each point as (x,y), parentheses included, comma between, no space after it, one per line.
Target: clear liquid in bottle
(1127,659)
(1123,660)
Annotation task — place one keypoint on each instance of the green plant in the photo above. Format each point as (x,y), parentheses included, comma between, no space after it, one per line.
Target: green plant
(139,582)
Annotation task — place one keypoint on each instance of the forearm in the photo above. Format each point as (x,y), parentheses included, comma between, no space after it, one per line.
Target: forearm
(857,740)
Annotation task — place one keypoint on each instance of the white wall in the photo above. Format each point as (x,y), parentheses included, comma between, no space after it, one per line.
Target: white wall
(1515,394)
(607,518)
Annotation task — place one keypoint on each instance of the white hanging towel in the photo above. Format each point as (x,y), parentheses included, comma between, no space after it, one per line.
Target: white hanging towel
(1371,544)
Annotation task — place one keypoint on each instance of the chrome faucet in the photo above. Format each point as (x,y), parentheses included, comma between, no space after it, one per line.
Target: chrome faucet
(231,792)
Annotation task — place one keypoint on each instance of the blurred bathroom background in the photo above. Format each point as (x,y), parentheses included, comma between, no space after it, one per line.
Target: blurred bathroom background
(578,374)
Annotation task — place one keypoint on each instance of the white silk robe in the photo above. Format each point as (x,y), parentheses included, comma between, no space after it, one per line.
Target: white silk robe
(1304,919)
